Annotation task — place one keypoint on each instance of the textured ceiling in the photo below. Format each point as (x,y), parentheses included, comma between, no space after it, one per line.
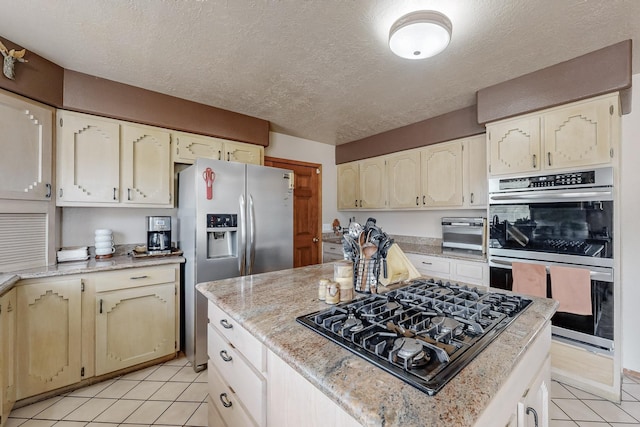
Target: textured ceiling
(317,69)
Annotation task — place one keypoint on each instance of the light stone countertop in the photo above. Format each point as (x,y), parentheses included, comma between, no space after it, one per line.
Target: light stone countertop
(7,280)
(267,305)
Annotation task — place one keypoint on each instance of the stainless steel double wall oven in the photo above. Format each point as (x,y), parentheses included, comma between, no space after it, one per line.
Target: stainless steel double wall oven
(561,219)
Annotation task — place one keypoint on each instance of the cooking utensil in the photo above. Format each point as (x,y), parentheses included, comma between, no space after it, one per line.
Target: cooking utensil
(355,229)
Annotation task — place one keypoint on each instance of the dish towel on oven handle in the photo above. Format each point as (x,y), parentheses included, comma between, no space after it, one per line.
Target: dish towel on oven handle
(529,279)
(572,288)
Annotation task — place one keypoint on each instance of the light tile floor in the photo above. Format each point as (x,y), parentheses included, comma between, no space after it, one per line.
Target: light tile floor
(571,407)
(170,394)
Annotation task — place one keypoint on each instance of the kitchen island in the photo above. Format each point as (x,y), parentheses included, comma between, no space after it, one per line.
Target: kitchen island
(491,390)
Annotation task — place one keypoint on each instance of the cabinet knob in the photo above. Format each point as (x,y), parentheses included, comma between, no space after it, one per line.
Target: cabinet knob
(225,356)
(225,400)
(225,324)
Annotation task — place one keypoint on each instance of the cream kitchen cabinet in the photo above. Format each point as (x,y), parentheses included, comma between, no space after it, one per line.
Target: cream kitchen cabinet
(348,185)
(362,184)
(580,134)
(48,332)
(454,269)
(441,174)
(474,172)
(426,178)
(26,146)
(187,147)
(104,162)
(136,318)
(7,353)
(237,373)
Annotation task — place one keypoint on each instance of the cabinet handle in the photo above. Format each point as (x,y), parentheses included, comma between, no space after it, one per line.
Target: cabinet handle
(417,201)
(356,204)
(225,400)
(225,324)
(427,263)
(60,193)
(100,306)
(48,187)
(534,161)
(228,156)
(138,277)
(535,415)
(114,193)
(549,157)
(128,194)
(225,356)
(471,199)
(219,154)
(424,200)
(360,203)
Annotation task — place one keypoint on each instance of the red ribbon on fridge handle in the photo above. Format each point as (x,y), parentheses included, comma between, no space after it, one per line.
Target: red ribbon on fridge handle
(209,176)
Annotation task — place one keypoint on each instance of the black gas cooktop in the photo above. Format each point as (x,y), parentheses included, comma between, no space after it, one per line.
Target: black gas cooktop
(423,333)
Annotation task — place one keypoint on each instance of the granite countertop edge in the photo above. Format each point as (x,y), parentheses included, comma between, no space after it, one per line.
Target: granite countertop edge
(370,395)
(8,280)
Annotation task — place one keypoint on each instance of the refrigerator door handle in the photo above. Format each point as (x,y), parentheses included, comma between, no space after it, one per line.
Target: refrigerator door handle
(242,247)
(252,235)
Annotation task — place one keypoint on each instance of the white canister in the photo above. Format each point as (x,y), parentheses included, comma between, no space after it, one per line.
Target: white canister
(346,288)
(332,294)
(322,288)
(343,270)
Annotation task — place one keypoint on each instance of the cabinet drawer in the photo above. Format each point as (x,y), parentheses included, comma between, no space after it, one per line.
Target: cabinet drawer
(249,386)
(471,272)
(133,277)
(238,336)
(431,266)
(226,402)
(332,248)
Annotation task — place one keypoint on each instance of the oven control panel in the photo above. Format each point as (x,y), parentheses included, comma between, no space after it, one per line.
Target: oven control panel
(554,180)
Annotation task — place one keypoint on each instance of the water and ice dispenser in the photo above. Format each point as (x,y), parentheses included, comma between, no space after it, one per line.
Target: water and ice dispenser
(222,235)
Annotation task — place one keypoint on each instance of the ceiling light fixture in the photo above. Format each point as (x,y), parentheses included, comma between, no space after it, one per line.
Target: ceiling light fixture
(420,34)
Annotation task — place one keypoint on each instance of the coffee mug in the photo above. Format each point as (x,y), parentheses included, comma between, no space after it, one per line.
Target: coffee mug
(103,238)
(105,251)
(104,245)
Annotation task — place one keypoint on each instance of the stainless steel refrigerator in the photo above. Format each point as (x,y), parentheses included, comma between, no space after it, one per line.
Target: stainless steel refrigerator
(233,220)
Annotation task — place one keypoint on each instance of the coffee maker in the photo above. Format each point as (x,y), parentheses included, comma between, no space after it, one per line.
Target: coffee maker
(159,234)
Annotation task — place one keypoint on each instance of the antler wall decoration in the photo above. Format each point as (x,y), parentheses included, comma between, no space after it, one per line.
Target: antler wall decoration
(10,58)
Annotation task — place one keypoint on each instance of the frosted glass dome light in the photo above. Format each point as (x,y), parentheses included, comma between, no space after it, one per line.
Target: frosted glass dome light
(420,34)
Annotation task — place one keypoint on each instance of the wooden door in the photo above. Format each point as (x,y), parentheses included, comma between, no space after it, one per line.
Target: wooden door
(514,146)
(48,335)
(373,183)
(403,172)
(147,175)
(88,159)
(306,209)
(349,186)
(7,353)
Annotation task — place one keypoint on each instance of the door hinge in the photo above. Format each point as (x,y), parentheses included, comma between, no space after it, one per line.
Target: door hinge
(82,372)
(81,285)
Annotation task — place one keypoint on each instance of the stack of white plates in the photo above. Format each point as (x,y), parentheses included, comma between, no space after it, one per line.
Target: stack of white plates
(104,243)
(73,254)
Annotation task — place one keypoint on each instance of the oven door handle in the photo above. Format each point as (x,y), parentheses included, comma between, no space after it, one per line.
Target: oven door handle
(553,195)
(604,276)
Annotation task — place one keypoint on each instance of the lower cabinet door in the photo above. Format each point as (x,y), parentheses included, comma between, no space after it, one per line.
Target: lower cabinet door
(225,403)
(48,336)
(134,325)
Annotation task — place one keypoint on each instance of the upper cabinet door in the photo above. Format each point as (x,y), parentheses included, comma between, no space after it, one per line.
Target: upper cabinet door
(476,172)
(26,143)
(514,146)
(146,166)
(88,159)
(373,183)
(348,185)
(188,147)
(403,172)
(442,174)
(581,134)
(243,153)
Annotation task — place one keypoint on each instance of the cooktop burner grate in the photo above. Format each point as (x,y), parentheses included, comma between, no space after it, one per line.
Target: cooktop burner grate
(423,333)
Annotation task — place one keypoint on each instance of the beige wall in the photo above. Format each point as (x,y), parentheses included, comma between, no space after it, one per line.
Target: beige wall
(630,238)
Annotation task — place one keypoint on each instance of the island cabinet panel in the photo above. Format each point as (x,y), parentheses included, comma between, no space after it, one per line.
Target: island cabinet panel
(580,134)
(294,401)
(7,353)
(135,319)
(237,372)
(48,335)
(26,146)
